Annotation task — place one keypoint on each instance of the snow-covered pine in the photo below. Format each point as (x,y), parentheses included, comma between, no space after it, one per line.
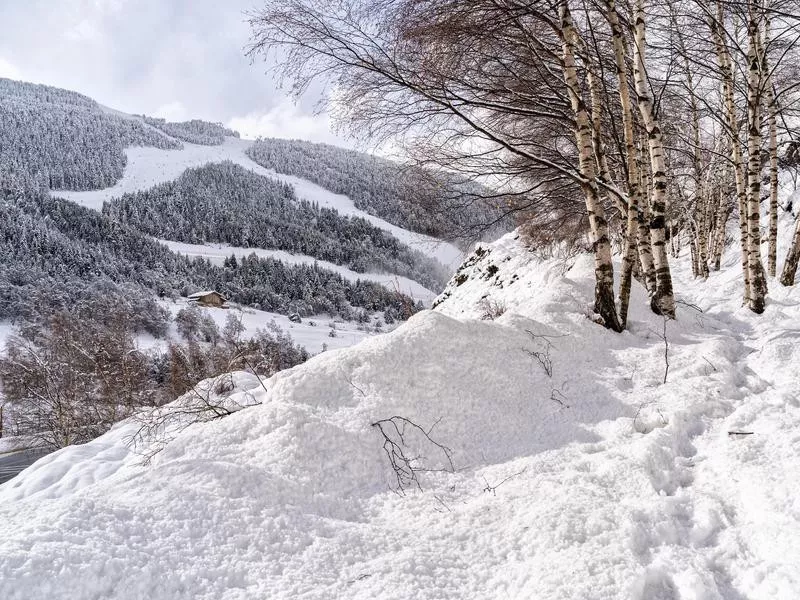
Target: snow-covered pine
(194,131)
(226,203)
(409,197)
(62,140)
(51,248)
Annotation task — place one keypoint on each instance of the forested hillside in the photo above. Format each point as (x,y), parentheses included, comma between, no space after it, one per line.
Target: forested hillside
(57,139)
(405,196)
(50,249)
(229,204)
(194,131)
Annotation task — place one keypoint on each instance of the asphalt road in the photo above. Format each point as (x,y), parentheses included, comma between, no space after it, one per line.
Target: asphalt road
(11,464)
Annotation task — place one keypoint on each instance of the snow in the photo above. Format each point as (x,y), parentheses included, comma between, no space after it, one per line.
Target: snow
(217,253)
(147,167)
(313,338)
(579,472)
(6,330)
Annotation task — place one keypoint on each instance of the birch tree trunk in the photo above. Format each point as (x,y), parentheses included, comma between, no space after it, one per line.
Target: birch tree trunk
(724,210)
(700,196)
(790,264)
(663,301)
(605,304)
(758,280)
(772,254)
(773,183)
(643,222)
(726,74)
(634,179)
(700,220)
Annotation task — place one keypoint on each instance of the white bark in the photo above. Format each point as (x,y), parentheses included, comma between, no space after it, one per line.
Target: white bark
(758,280)
(663,300)
(604,269)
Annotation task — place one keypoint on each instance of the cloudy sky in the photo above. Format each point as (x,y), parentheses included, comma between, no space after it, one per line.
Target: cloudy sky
(176,59)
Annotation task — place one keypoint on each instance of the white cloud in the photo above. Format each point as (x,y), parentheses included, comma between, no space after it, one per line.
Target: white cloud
(177,59)
(83,31)
(172,111)
(8,70)
(286,121)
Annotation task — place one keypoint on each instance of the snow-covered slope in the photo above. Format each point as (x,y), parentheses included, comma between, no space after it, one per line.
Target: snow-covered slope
(312,333)
(577,471)
(147,167)
(217,253)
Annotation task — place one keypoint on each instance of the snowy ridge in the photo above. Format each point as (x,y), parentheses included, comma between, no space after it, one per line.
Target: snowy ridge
(579,473)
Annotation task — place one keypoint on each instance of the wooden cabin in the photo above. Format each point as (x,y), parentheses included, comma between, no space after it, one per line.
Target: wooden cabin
(208,298)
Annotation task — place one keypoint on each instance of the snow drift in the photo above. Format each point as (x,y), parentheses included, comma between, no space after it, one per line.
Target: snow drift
(577,472)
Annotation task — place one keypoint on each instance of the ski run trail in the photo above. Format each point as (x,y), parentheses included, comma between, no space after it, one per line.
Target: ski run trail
(148,167)
(547,458)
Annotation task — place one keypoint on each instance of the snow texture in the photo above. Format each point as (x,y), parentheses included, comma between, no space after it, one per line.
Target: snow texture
(579,473)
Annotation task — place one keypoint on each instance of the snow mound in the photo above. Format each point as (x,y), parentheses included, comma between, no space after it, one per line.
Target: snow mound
(536,455)
(508,276)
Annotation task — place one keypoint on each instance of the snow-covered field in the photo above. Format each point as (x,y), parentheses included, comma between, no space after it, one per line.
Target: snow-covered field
(578,472)
(150,166)
(312,333)
(217,253)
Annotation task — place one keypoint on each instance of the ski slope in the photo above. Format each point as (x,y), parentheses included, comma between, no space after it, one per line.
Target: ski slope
(580,468)
(217,253)
(147,167)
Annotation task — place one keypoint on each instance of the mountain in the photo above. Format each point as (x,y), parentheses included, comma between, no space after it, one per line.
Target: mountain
(109,222)
(194,131)
(59,139)
(275,242)
(224,202)
(51,249)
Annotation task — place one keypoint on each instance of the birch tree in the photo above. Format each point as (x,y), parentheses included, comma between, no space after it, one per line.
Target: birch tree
(538,97)
(662,300)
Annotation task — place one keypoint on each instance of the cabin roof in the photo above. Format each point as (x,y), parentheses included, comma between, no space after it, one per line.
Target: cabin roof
(205,293)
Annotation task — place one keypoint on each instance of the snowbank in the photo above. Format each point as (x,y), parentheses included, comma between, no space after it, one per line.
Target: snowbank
(578,472)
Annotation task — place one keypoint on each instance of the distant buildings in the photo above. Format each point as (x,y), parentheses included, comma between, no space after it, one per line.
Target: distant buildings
(208,298)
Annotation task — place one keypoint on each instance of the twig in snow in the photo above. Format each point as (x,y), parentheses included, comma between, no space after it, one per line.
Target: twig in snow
(560,398)
(405,467)
(442,502)
(710,364)
(690,305)
(542,356)
(350,381)
(741,432)
(493,488)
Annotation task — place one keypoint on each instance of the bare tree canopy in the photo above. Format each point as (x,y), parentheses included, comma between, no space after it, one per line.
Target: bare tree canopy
(638,125)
